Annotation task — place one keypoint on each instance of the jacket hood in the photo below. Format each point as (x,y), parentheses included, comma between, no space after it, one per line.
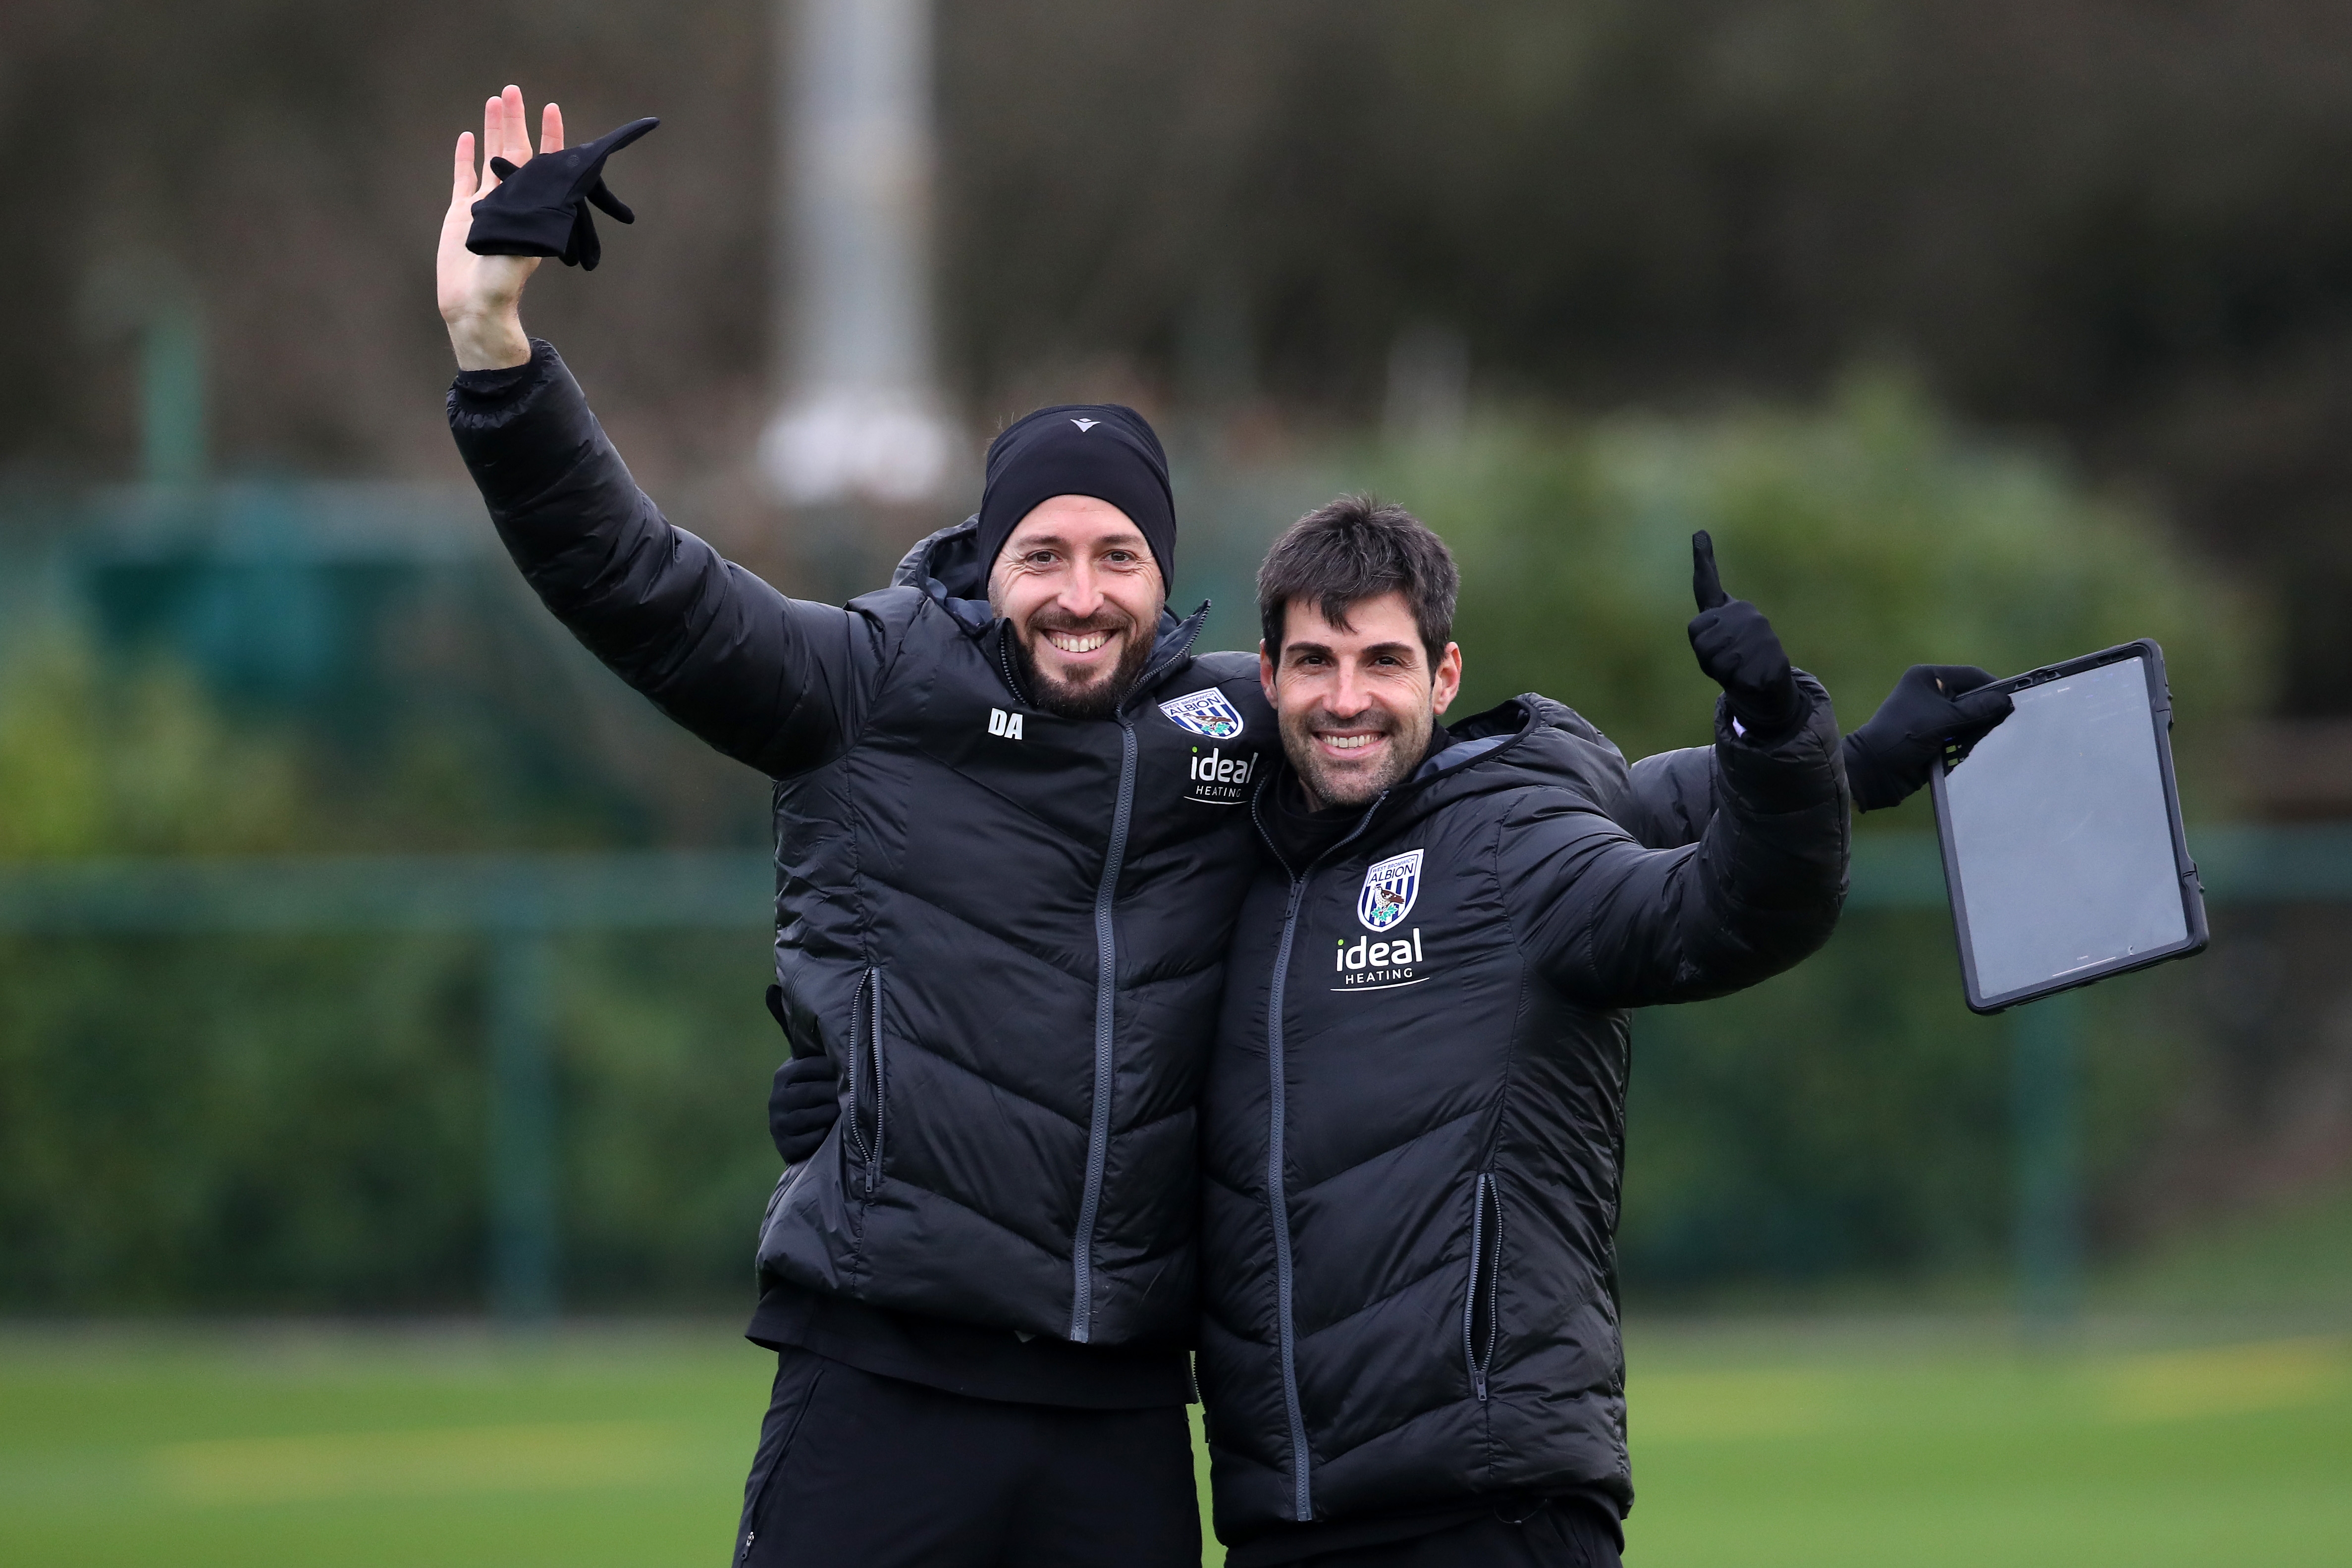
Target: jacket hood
(949,561)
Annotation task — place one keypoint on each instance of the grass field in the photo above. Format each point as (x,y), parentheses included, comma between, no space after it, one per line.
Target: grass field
(1911,1442)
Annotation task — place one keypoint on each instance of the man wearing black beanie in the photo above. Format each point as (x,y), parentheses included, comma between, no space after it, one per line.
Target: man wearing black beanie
(1097,467)
(1012,833)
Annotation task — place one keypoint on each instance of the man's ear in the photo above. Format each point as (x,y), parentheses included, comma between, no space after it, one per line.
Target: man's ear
(1264,670)
(1445,682)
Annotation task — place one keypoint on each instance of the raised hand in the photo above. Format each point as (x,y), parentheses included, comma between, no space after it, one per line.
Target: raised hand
(542,208)
(1933,709)
(481,295)
(1738,651)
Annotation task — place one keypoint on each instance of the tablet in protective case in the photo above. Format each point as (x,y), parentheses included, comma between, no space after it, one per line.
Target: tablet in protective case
(2063,853)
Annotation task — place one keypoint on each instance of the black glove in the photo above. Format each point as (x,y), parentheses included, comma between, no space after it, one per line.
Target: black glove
(805,1100)
(1738,651)
(803,1106)
(1933,706)
(538,207)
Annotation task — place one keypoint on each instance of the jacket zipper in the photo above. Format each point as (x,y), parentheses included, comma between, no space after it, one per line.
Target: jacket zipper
(1486,1264)
(1277,1198)
(1082,1251)
(865,1072)
(1082,1306)
(881,1094)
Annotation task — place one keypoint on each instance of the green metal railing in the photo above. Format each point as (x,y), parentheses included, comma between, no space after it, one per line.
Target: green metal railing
(516,904)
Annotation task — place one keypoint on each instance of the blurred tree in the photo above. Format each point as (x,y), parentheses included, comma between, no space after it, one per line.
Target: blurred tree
(1874,533)
(2120,222)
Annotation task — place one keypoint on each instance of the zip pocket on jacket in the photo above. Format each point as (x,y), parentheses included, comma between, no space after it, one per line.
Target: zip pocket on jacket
(867,1096)
(1478,1300)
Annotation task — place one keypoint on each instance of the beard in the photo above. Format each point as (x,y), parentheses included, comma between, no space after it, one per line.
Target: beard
(1098,698)
(1330,784)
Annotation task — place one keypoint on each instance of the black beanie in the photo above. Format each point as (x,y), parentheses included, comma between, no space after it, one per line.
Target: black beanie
(1097,449)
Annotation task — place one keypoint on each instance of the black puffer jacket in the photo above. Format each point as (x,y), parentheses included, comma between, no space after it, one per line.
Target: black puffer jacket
(1009,928)
(1414,1123)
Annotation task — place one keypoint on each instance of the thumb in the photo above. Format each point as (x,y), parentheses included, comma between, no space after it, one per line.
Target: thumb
(1984,707)
(1954,679)
(1706,587)
(601,194)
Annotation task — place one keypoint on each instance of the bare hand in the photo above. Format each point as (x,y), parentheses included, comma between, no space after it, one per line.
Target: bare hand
(481,295)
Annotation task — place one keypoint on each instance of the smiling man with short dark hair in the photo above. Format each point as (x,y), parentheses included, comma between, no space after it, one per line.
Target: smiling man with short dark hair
(1413,1133)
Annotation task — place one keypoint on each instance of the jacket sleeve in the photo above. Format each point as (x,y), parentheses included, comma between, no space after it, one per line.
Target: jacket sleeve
(1670,799)
(1613,924)
(777,682)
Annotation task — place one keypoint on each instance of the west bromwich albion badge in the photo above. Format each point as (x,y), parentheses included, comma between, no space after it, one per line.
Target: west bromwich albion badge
(1390,886)
(1205,712)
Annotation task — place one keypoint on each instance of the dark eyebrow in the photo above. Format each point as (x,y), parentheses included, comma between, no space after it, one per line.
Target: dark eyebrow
(1056,541)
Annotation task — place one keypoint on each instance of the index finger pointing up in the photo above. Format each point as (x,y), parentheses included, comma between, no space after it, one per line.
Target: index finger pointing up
(1706,586)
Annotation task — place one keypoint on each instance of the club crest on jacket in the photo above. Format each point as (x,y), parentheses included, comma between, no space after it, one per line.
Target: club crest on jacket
(1205,711)
(1390,886)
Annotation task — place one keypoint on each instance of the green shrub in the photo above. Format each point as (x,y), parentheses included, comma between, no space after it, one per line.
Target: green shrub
(1874,535)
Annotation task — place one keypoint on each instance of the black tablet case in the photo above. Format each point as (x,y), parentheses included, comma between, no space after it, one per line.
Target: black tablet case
(2192,893)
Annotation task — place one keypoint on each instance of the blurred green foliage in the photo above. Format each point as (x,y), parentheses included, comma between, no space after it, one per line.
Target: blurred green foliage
(245,1122)
(133,760)
(1874,534)
(298,1123)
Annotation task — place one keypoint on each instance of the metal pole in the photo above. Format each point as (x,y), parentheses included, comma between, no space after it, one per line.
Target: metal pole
(172,393)
(861,421)
(522,1130)
(2046,1065)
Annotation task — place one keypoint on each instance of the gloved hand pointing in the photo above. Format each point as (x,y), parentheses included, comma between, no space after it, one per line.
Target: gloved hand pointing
(540,207)
(1737,650)
(1889,758)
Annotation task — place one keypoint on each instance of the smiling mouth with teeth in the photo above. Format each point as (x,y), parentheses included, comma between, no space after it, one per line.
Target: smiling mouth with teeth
(1346,742)
(1077,643)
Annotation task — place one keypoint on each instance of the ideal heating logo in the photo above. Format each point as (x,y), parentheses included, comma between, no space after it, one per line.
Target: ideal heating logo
(1389,888)
(1365,965)
(1218,780)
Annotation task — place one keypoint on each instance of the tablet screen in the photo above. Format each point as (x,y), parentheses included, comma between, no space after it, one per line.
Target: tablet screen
(2062,834)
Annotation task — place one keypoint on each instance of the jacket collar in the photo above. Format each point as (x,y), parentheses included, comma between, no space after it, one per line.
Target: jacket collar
(1528,739)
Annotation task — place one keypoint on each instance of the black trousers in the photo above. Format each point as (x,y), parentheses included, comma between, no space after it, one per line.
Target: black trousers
(858,1470)
(1560,1534)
